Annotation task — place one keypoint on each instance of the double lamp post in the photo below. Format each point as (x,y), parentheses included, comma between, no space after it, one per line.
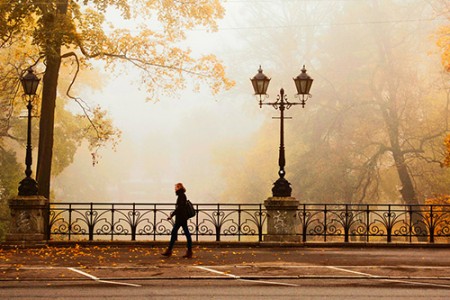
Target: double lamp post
(303,84)
(281,207)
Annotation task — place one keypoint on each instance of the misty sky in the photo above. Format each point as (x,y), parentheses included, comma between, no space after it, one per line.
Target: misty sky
(171,140)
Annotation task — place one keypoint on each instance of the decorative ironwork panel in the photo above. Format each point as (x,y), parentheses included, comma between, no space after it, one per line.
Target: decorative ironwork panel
(248,222)
(74,221)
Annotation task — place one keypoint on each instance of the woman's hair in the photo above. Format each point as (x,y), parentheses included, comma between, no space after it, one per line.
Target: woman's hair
(180,186)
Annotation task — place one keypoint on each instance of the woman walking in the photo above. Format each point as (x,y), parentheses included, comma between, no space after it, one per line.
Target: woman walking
(181,218)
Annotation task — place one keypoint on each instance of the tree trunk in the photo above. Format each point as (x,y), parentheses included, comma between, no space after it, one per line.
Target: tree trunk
(407,190)
(409,196)
(46,125)
(52,47)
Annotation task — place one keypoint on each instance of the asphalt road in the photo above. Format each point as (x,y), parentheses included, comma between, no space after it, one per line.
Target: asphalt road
(220,289)
(139,272)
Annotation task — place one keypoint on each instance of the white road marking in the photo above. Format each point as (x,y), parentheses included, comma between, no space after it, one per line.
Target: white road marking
(84,273)
(270,282)
(418,283)
(217,272)
(246,280)
(102,281)
(390,280)
(350,271)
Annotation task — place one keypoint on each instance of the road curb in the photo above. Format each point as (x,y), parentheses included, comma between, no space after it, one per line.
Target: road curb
(163,244)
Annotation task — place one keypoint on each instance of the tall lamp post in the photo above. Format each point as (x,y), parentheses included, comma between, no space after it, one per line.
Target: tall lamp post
(303,84)
(28,186)
(29,211)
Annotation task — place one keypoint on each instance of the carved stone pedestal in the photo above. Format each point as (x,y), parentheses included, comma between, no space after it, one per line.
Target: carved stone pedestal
(28,220)
(282,220)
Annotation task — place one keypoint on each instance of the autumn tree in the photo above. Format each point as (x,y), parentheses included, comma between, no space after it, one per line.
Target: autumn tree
(372,131)
(70,129)
(443,43)
(79,32)
(387,112)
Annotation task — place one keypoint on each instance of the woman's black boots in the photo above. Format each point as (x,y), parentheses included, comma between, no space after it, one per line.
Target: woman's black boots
(188,254)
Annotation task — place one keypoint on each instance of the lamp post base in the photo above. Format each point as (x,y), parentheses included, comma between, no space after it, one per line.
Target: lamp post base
(282,219)
(29,219)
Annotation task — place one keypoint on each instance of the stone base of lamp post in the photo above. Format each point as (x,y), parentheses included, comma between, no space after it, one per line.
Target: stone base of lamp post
(29,216)
(282,220)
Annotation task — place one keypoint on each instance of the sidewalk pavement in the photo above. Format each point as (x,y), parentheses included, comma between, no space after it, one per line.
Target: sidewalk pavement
(143,261)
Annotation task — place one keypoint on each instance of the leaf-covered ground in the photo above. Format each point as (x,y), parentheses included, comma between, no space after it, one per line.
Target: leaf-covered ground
(80,255)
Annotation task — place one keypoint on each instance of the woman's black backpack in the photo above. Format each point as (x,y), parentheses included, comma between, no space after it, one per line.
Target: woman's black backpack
(190,209)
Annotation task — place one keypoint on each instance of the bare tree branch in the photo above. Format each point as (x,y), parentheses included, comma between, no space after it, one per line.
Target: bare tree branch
(83,105)
(139,63)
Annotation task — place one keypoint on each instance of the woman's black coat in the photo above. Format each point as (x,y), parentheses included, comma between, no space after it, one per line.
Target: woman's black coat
(180,211)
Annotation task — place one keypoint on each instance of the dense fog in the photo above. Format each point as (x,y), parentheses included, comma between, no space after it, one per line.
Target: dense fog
(379,101)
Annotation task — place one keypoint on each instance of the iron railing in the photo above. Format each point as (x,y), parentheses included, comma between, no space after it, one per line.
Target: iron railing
(248,222)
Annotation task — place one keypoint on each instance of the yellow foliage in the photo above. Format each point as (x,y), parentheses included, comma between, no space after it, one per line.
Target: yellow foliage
(441,212)
(153,46)
(101,132)
(439,200)
(447,147)
(443,42)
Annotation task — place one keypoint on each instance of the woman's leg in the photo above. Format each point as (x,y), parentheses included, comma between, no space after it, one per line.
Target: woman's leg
(174,235)
(189,241)
(188,236)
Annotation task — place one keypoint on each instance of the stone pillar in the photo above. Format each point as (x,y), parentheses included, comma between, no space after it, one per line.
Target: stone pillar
(282,219)
(29,218)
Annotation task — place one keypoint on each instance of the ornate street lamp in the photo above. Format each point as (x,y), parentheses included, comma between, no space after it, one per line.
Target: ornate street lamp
(260,84)
(303,84)
(28,186)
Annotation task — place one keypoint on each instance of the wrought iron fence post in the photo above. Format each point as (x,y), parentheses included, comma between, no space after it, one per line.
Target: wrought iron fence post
(112,222)
(410,224)
(154,221)
(218,224)
(133,223)
(346,225)
(47,221)
(431,225)
(325,223)
(389,225)
(367,223)
(260,225)
(70,220)
(239,223)
(196,222)
(304,224)
(91,224)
